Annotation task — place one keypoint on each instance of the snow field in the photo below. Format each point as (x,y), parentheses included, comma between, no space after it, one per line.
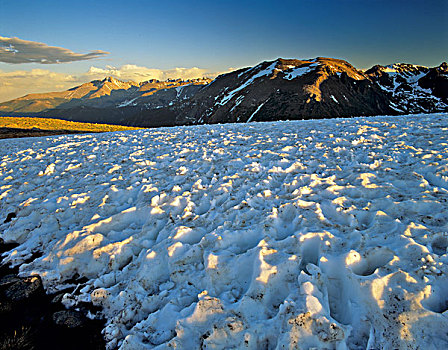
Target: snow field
(326,233)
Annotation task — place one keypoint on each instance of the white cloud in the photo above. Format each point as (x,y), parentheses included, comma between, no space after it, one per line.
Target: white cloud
(15,50)
(139,74)
(19,83)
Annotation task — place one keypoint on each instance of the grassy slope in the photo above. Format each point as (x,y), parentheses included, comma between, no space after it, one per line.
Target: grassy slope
(57,124)
(12,127)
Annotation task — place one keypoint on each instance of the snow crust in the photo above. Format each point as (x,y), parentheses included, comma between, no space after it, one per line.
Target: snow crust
(327,233)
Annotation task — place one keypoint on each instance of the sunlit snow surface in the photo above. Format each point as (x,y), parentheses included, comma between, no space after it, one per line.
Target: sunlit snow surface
(327,234)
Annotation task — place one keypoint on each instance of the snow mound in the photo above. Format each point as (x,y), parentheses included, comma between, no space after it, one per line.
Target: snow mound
(326,233)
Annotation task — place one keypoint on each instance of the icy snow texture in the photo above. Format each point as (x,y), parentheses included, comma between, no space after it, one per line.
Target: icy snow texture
(327,234)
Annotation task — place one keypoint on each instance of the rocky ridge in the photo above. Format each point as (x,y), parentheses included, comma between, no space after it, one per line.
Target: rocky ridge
(413,88)
(284,89)
(287,89)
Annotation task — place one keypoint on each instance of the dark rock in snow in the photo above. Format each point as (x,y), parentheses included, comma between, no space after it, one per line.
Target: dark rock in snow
(24,289)
(69,319)
(31,319)
(9,217)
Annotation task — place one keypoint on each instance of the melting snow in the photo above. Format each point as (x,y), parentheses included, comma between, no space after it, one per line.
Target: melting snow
(324,234)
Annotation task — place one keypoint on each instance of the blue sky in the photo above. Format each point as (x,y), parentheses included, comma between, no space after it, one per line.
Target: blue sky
(217,35)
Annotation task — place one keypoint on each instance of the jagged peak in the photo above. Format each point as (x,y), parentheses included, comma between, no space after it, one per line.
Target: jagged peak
(292,68)
(112,80)
(335,63)
(407,65)
(443,67)
(109,79)
(397,68)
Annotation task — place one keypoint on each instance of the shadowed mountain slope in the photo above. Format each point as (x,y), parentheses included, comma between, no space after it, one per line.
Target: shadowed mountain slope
(272,90)
(287,89)
(107,93)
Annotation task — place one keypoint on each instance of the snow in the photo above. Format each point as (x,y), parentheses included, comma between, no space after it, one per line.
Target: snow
(334,99)
(255,112)
(395,107)
(299,71)
(321,233)
(127,103)
(237,102)
(249,69)
(179,89)
(267,71)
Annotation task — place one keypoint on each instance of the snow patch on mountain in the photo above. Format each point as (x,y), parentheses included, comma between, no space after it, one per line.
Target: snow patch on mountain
(299,71)
(255,112)
(264,72)
(127,103)
(403,85)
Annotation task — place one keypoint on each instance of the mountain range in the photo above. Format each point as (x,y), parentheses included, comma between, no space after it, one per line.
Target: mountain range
(272,90)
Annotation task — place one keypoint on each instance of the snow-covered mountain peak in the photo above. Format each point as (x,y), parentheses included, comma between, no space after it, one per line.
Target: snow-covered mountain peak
(412,88)
(286,87)
(406,67)
(443,68)
(294,68)
(272,69)
(109,79)
(402,69)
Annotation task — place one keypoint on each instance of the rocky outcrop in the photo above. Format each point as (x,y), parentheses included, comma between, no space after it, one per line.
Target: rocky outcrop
(31,319)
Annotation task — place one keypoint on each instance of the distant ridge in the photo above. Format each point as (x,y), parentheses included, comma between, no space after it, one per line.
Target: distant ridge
(12,127)
(109,92)
(272,90)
